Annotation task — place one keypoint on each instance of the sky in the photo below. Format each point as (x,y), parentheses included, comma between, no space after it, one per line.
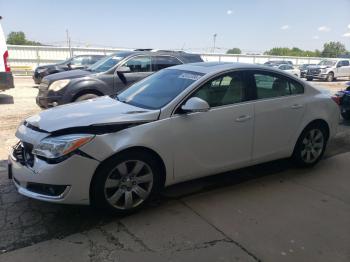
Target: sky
(252,25)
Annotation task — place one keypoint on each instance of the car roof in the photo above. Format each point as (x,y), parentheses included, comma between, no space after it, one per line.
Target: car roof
(179,54)
(215,67)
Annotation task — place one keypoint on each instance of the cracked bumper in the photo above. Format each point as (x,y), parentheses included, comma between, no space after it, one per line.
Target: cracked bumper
(75,174)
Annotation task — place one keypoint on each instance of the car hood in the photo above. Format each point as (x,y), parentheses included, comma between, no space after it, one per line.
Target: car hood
(102,111)
(318,67)
(67,75)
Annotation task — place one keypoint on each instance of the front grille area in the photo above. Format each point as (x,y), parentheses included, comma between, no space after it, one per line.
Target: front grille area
(45,189)
(313,71)
(22,152)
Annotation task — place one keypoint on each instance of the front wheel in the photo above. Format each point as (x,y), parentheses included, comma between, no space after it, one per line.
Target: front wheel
(124,183)
(310,146)
(330,77)
(309,78)
(85,97)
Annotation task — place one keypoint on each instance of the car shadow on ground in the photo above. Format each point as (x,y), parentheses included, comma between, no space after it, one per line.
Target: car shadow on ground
(6,99)
(25,221)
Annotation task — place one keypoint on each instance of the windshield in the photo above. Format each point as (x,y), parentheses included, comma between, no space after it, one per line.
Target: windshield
(159,89)
(328,62)
(106,63)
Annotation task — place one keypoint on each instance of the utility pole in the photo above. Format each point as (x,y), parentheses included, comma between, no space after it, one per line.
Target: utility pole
(214,41)
(69,43)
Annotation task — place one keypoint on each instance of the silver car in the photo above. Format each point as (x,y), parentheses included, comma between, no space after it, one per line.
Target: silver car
(181,123)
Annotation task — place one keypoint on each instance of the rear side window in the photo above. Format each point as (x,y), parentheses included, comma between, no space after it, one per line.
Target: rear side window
(271,85)
(161,62)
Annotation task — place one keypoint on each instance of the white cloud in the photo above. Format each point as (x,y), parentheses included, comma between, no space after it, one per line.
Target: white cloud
(346,34)
(285,27)
(229,12)
(324,28)
(315,37)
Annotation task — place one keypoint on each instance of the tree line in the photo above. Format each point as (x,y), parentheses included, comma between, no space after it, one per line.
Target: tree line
(330,49)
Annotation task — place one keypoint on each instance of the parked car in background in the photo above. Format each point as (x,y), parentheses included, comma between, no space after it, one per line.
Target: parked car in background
(76,62)
(329,70)
(278,62)
(289,69)
(107,77)
(181,123)
(342,98)
(303,69)
(6,78)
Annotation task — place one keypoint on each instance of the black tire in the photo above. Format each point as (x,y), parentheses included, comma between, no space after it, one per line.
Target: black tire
(309,78)
(299,150)
(330,77)
(85,97)
(98,192)
(346,115)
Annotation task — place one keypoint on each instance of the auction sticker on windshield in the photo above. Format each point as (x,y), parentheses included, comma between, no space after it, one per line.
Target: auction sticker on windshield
(190,76)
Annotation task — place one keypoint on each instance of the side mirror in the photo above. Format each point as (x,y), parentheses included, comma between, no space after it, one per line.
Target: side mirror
(195,104)
(123,69)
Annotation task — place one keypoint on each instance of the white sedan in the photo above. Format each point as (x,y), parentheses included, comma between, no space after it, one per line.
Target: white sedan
(290,69)
(181,123)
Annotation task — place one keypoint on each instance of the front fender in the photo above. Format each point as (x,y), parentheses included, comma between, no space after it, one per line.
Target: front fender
(86,85)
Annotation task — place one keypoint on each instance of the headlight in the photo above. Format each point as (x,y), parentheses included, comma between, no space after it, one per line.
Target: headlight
(59,84)
(41,70)
(55,147)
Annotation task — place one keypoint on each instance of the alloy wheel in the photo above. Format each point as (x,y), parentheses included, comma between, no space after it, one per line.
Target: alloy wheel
(129,184)
(313,144)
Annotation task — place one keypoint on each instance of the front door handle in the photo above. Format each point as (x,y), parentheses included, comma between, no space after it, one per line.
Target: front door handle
(243,118)
(296,106)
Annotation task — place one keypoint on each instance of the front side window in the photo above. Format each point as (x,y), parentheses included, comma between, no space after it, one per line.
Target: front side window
(161,62)
(139,64)
(271,85)
(223,90)
(159,89)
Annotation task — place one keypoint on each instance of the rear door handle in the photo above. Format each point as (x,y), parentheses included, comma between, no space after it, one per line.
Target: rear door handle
(296,106)
(243,118)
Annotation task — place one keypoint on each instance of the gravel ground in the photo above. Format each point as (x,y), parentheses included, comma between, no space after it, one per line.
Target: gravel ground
(25,221)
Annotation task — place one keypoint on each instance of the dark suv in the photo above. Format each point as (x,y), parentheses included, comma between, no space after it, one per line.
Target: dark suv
(76,62)
(108,76)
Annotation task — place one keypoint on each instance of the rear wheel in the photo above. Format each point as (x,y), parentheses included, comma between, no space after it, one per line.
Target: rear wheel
(85,97)
(126,182)
(310,146)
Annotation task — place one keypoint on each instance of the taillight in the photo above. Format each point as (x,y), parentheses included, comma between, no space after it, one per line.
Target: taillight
(336,99)
(6,63)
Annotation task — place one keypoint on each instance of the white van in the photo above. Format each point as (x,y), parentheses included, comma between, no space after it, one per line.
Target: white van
(6,78)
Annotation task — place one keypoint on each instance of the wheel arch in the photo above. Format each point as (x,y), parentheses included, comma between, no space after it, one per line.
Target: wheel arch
(318,121)
(87,91)
(143,149)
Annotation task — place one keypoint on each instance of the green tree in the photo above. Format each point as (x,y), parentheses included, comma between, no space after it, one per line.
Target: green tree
(234,50)
(19,38)
(295,51)
(333,49)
